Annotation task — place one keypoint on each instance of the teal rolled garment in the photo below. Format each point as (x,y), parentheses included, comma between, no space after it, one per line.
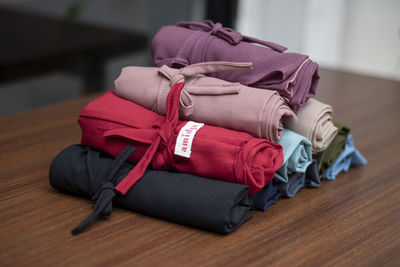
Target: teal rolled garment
(349,157)
(296,155)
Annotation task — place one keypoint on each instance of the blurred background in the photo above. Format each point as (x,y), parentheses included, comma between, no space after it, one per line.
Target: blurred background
(51,51)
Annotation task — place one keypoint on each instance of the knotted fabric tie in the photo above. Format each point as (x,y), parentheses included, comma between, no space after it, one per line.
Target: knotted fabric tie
(215,29)
(104,196)
(227,34)
(164,134)
(176,76)
(167,129)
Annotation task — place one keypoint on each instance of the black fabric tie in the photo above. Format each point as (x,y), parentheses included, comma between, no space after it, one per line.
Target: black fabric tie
(104,196)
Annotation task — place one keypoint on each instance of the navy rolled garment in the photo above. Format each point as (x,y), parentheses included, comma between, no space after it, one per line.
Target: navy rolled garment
(205,203)
(265,197)
(312,176)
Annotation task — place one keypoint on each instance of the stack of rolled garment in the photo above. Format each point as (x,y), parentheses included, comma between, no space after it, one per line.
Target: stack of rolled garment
(293,76)
(240,163)
(219,127)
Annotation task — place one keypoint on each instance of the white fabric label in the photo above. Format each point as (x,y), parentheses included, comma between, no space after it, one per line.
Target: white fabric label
(183,146)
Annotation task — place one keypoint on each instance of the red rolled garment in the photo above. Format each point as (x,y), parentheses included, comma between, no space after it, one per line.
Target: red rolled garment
(110,123)
(210,100)
(293,75)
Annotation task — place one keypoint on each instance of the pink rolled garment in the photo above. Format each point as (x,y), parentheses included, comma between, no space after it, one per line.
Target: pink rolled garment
(293,75)
(207,99)
(315,123)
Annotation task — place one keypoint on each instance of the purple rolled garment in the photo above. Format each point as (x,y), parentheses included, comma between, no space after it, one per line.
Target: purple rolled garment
(207,99)
(293,75)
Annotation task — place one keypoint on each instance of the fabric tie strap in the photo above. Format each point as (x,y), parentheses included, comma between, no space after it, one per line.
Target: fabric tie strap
(227,34)
(104,196)
(172,196)
(186,102)
(165,132)
(215,29)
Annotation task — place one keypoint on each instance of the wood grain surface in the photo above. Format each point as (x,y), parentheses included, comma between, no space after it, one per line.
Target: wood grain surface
(352,221)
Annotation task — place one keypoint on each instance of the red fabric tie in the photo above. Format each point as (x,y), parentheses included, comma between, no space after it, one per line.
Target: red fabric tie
(165,134)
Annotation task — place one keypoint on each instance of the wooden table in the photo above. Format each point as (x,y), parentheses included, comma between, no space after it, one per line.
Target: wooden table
(352,221)
(33,44)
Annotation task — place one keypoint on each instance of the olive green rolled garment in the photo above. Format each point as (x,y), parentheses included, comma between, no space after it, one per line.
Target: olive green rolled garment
(326,158)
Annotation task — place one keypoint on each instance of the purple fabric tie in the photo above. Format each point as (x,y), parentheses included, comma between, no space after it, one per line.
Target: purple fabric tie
(229,35)
(293,75)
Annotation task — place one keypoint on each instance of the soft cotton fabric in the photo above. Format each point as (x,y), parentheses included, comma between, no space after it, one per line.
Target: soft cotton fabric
(110,123)
(326,158)
(265,197)
(349,157)
(315,123)
(296,181)
(293,75)
(312,177)
(207,99)
(209,204)
(296,155)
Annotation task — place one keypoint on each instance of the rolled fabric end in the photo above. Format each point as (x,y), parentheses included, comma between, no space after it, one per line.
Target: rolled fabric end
(140,85)
(296,153)
(326,158)
(274,119)
(312,177)
(325,131)
(65,169)
(315,123)
(266,197)
(295,182)
(349,157)
(304,85)
(254,169)
(219,206)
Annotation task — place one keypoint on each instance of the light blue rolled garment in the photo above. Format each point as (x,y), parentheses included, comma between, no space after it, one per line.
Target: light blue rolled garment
(296,155)
(349,157)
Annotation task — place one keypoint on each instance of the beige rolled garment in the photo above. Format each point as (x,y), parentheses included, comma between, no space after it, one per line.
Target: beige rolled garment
(315,123)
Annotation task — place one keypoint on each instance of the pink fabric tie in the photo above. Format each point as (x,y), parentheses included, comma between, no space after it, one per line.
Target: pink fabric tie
(186,103)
